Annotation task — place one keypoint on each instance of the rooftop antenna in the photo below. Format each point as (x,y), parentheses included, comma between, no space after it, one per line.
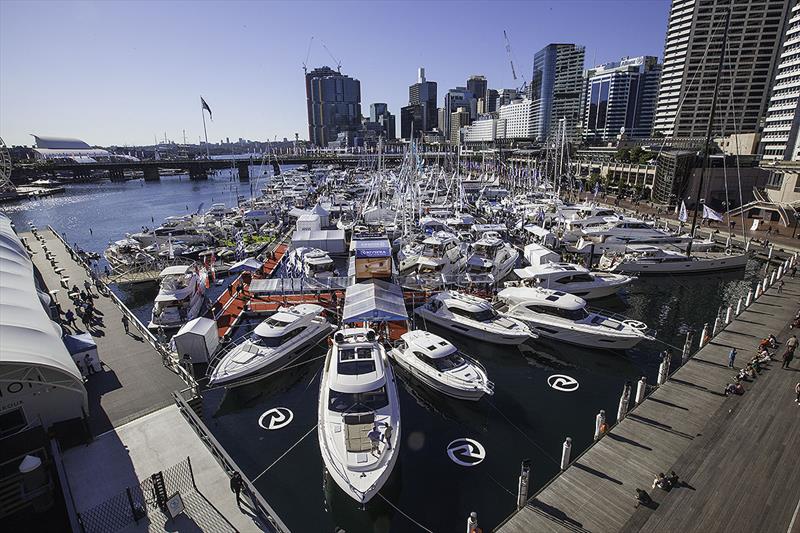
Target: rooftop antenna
(338,63)
(308,53)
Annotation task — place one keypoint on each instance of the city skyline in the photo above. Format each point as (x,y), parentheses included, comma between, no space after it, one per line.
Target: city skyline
(112,74)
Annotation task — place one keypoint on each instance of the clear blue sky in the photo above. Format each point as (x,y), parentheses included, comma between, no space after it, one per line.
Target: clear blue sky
(122,72)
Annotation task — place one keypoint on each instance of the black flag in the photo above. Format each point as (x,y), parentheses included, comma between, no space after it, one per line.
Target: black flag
(204,105)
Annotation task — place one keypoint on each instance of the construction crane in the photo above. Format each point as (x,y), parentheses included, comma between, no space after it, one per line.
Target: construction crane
(338,63)
(524,88)
(308,54)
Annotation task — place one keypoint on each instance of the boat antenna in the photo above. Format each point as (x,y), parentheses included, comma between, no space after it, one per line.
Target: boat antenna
(707,154)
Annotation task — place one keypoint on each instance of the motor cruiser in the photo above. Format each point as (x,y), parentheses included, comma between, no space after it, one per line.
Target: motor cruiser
(437,255)
(573,279)
(358,414)
(274,344)
(651,260)
(180,298)
(492,259)
(564,317)
(436,363)
(310,263)
(473,317)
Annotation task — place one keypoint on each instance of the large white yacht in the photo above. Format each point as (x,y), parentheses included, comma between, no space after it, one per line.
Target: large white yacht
(573,279)
(359,414)
(492,259)
(564,317)
(436,363)
(439,254)
(180,298)
(275,343)
(175,229)
(629,231)
(311,263)
(472,317)
(643,260)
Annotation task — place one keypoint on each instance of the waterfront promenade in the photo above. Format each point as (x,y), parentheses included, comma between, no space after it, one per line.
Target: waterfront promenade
(735,456)
(137,430)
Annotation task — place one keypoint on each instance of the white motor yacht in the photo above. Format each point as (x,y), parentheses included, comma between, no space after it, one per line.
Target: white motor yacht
(564,317)
(644,260)
(573,279)
(180,297)
(359,414)
(492,259)
(311,263)
(436,363)
(439,254)
(472,317)
(274,344)
(629,231)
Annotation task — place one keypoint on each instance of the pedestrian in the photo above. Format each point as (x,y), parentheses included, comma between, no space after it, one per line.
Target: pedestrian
(375,439)
(69,318)
(89,364)
(780,286)
(387,435)
(125,323)
(87,285)
(791,344)
(236,487)
(788,355)
(797,392)
(731,357)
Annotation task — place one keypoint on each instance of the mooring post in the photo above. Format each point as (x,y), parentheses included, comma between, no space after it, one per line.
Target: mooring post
(522,486)
(758,291)
(599,422)
(623,401)
(703,336)
(728,314)
(640,390)
(738,307)
(769,254)
(772,277)
(716,327)
(687,347)
(663,369)
(566,450)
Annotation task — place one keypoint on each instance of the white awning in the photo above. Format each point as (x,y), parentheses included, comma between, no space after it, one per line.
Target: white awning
(374,301)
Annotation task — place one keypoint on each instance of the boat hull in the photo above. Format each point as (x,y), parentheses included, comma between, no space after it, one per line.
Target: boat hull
(584,339)
(481,335)
(454,392)
(701,266)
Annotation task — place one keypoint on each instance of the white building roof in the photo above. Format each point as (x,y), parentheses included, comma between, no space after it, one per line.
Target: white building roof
(27,335)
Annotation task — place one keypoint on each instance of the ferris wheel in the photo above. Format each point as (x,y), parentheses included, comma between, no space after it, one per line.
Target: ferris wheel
(5,169)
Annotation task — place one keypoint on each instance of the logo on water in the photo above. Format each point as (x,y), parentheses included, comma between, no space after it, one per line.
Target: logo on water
(276,418)
(466,452)
(563,383)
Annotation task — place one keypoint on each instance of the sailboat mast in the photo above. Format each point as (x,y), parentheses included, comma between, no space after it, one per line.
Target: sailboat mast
(707,154)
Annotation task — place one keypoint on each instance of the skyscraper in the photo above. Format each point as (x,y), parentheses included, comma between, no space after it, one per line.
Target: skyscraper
(491,100)
(334,105)
(478,86)
(691,55)
(379,114)
(556,87)
(781,140)
(620,95)
(455,98)
(458,119)
(422,97)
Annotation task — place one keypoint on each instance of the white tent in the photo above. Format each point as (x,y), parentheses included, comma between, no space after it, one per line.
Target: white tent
(249,264)
(536,254)
(374,301)
(83,350)
(197,340)
(38,377)
(332,240)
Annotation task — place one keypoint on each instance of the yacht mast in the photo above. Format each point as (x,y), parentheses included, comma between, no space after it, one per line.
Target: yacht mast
(707,154)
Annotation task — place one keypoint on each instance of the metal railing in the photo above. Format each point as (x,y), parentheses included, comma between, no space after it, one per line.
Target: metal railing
(227,463)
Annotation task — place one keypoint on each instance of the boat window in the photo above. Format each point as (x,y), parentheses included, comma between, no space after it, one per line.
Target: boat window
(352,401)
(569,314)
(274,322)
(483,315)
(577,278)
(274,342)
(452,361)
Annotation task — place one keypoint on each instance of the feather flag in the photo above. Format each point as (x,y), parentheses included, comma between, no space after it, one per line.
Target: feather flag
(683,216)
(204,105)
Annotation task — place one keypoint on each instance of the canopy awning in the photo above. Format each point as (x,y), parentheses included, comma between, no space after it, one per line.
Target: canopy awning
(374,301)
(249,264)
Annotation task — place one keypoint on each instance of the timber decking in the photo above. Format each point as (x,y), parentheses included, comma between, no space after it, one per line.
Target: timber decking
(737,455)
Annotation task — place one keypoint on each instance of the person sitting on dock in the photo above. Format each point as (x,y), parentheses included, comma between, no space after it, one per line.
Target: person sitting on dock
(642,498)
(661,481)
(730,388)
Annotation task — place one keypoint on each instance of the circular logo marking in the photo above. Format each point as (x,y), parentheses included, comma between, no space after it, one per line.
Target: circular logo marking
(466,452)
(276,418)
(563,383)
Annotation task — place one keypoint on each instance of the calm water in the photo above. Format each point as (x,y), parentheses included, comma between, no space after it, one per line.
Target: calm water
(525,419)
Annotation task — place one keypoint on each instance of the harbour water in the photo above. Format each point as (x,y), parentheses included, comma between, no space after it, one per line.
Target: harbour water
(525,419)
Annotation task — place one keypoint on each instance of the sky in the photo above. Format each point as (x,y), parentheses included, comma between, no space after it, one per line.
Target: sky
(123,73)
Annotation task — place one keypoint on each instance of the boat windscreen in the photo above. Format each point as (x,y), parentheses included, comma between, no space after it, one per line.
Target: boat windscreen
(370,400)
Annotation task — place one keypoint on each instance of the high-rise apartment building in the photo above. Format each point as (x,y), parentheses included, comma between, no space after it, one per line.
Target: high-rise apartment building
(458,119)
(780,140)
(334,105)
(491,100)
(691,55)
(621,95)
(519,118)
(421,97)
(556,88)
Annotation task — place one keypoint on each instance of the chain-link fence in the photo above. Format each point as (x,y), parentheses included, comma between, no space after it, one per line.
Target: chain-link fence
(147,501)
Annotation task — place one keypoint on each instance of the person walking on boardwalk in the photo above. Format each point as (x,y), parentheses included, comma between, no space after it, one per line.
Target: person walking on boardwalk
(125,324)
(69,318)
(794,270)
(791,344)
(797,392)
(731,357)
(236,487)
(788,355)
(781,283)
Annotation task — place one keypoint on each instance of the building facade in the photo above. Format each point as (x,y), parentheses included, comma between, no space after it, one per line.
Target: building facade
(453,100)
(421,97)
(556,88)
(621,95)
(479,87)
(691,56)
(519,119)
(334,105)
(458,120)
(485,130)
(505,97)
(379,114)
(780,140)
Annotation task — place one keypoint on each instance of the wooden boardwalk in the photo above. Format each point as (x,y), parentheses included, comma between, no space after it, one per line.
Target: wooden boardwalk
(736,455)
(134,382)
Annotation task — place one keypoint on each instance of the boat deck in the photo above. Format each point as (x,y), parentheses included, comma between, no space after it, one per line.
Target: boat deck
(134,381)
(735,456)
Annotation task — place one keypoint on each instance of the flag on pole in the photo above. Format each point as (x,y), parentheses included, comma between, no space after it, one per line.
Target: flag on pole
(710,213)
(204,105)
(683,215)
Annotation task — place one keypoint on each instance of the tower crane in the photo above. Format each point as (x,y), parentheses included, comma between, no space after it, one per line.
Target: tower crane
(338,63)
(308,54)
(524,87)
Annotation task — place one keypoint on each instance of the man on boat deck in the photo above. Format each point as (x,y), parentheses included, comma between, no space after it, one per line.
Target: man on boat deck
(375,439)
